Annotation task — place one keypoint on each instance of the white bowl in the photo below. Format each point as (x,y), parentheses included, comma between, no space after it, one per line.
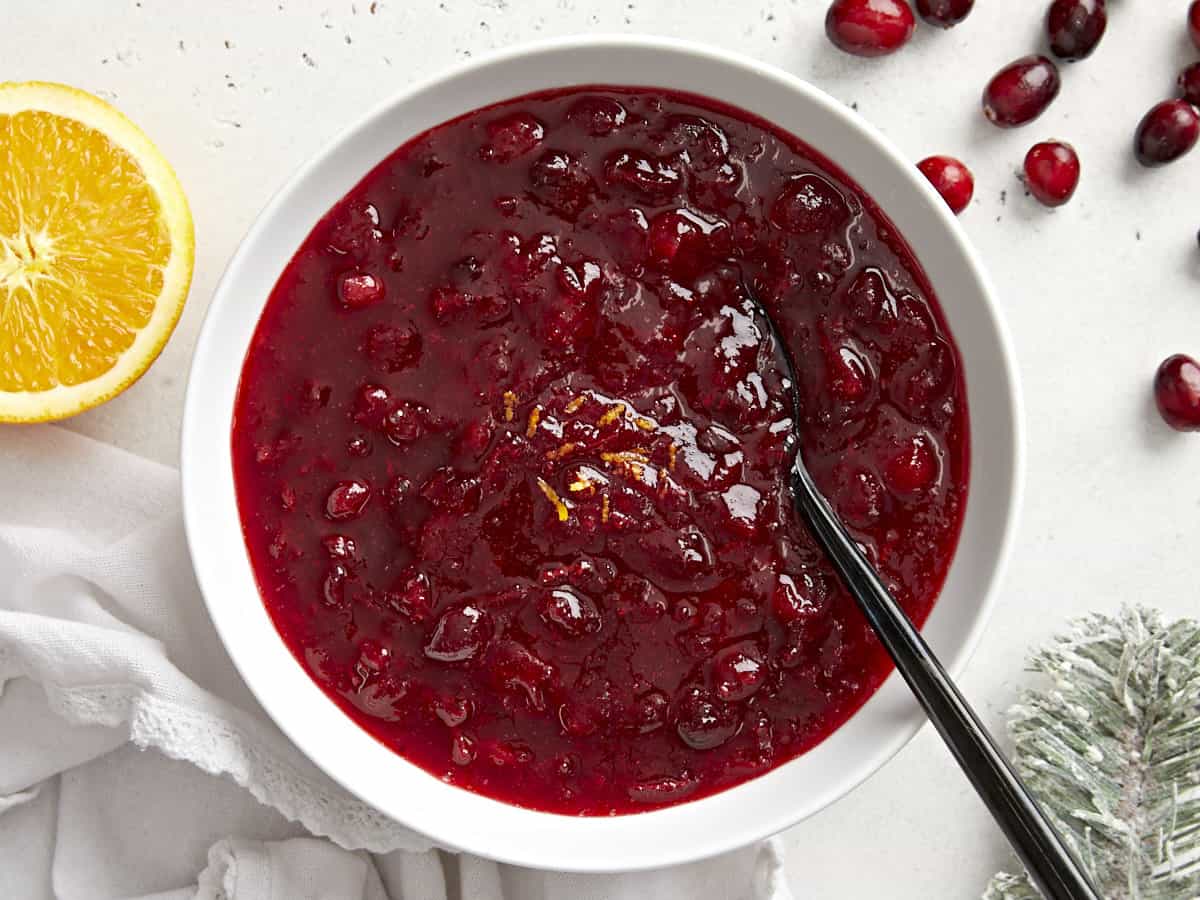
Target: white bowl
(466,821)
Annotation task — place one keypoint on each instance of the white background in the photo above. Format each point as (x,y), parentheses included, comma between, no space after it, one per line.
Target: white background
(239,93)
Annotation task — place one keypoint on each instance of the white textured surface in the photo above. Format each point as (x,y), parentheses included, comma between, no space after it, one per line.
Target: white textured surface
(1096,293)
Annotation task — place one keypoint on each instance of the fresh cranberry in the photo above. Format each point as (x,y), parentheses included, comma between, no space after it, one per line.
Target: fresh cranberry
(952,179)
(944,13)
(1075,27)
(1177,392)
(1167,132)
(869,27)
(1194,22)
(1052,172)
(347,500)
(1021,91)
(1189,84)
(359,289)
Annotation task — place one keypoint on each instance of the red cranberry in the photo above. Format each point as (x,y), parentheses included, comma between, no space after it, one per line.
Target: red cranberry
(703,722)
(512,136)
(1194,22)
(1177,392)
(952,179)
(403,424)
(347,500)
(810,205)
(460,634)
(869,27)
(1052,172)
(562,184)
(655,180)
(1189,84)
(796,598)
(914,469)
(571,612)
(359,289)
(944,13)
(739,671)
(1075,27)
(1167,132)
(598,116)
(1021,91)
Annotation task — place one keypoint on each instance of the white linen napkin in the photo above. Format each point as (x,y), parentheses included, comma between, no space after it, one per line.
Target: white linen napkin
(134,763)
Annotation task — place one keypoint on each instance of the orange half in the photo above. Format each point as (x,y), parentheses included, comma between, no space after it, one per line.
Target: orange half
(96,251)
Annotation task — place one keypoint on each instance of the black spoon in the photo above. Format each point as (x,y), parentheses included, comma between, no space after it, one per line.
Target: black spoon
(1047,859)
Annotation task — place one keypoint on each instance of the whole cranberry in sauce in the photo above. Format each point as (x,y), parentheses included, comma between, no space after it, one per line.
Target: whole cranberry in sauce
(952,179)
(1021,91)
(869,27)
(1075,27)
(1194,22)
(1052,172)
(1167,132)
(1189,84)
(1177,392)
(944,13)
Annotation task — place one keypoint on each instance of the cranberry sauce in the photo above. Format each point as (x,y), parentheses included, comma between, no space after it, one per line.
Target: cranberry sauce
(509,448)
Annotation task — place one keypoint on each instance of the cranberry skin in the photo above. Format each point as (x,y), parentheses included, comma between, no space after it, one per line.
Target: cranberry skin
(952,179)
(347,500)
(1189,84)
(1075,27)
(359,289)
(1177,392)
(1052,172)
(869,27)
(944,13)
(1021,91)
(1167,132)
(1194,22)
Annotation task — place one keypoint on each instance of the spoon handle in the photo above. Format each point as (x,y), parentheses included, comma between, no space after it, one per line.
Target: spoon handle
(1047,859)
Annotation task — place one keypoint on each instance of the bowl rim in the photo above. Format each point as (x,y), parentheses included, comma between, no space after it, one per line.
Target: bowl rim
(900,732)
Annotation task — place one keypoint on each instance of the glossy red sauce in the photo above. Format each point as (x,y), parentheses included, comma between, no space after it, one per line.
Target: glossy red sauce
(509,448)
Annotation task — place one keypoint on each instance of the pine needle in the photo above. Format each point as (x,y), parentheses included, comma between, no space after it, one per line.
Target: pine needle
(1112,749)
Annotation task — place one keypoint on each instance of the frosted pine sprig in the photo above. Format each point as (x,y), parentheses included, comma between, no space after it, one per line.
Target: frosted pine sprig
(1112,750)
